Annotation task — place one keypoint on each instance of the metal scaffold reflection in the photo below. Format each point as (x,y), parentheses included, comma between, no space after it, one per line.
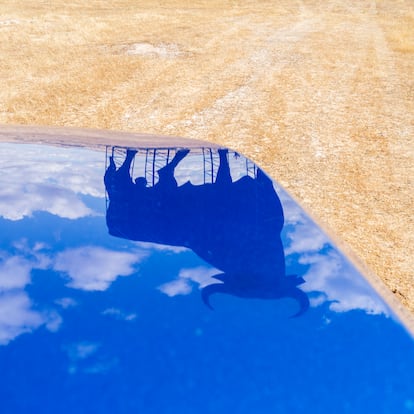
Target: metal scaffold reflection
(149,161)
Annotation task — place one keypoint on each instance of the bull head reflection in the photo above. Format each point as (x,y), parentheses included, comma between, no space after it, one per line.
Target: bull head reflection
(234,226)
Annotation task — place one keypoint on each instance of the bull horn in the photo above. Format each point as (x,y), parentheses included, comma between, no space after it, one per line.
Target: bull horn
(302,299)
(209,290)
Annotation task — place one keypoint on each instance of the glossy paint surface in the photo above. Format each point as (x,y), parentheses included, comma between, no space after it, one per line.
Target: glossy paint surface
(168,281)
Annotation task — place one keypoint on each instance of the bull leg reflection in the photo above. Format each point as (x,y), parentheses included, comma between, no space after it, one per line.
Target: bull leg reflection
(119,183)
(167,180)
(223,174)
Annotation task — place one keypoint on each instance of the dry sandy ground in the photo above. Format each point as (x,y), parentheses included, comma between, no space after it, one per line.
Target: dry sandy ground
(319,93)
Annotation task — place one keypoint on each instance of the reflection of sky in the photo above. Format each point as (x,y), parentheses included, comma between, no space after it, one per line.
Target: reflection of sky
(93,312)
(88,268)
(187,278)
(17,315)
(48,179)
(95,268)
(326,270)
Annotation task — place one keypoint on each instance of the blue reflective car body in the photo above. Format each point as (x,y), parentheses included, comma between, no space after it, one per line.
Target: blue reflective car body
(175,280)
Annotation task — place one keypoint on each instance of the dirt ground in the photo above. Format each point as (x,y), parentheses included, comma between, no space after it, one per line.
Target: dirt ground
(319,93)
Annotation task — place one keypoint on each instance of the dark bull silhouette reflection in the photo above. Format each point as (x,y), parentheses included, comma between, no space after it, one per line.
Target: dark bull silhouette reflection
(234,226)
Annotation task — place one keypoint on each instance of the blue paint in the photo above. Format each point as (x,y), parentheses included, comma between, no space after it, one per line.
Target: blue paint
(90,322)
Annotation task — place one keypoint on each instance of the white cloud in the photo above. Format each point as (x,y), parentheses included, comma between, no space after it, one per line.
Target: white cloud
(118,314)
(101,367)
(33,255)
(66,303)
(95,268)
(89,268)
(176,287)
(187,278)
(161,247)
(82,350)
(340,283)
(306,238)
(14,273)
(43,178)
(21,200)
(305,235)
(53,321)
(292,212)
(329,271)
(17,315)
(200,275)
(84,357)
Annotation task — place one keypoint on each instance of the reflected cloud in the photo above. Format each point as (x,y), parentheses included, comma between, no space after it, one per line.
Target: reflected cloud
(16,203)
(293,213)
(82,350)
(47,179)
(54,320)
(336,280)
(35,254)
(95,268)
(306,238)
(14,273)
(161,247)
(66,303)
(89,268)
(101,367)
(84,357)
(187,279)
(119,314)
(17,315)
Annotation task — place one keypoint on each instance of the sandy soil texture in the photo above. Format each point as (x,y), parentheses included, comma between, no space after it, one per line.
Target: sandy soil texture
(319,93)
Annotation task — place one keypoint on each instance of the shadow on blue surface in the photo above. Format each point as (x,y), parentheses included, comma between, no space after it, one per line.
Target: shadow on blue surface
(234,226)
(92,323)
